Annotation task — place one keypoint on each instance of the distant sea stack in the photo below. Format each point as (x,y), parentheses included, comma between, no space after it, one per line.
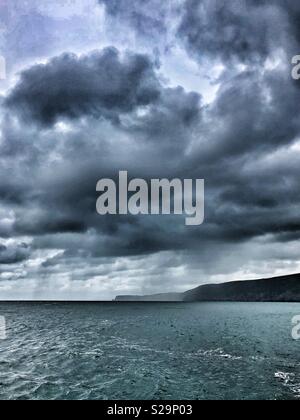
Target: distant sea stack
(277,289)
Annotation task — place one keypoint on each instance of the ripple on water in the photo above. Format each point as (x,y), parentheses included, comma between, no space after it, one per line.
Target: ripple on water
(107,351)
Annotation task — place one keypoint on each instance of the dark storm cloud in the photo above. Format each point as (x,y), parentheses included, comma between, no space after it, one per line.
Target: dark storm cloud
(101,84)
(239,31)
(292,9)
(57,195)
(12,254)
(254,113)
(231,30)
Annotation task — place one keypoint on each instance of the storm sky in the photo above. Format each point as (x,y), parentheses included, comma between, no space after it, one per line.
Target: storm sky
(196,89)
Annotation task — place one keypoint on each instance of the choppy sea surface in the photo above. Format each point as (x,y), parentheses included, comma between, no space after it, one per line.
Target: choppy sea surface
(149,351)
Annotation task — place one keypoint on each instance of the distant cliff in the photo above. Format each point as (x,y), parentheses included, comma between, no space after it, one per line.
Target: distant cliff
(278,289)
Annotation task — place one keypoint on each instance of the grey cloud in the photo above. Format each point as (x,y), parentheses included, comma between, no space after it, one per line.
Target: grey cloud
(101,84)
(254,113)
(56,196)
(223,139)
(239,31)
(147,17)
(12,254)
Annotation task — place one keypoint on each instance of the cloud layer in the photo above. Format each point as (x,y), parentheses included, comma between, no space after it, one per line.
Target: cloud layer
(80,116)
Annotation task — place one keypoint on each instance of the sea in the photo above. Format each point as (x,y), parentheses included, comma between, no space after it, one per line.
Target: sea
(149,351)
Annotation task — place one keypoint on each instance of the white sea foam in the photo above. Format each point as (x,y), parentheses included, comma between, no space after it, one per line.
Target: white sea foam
(218,353)
(289,381)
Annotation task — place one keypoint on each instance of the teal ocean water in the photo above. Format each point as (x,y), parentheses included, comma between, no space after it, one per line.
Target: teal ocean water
(149,351)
